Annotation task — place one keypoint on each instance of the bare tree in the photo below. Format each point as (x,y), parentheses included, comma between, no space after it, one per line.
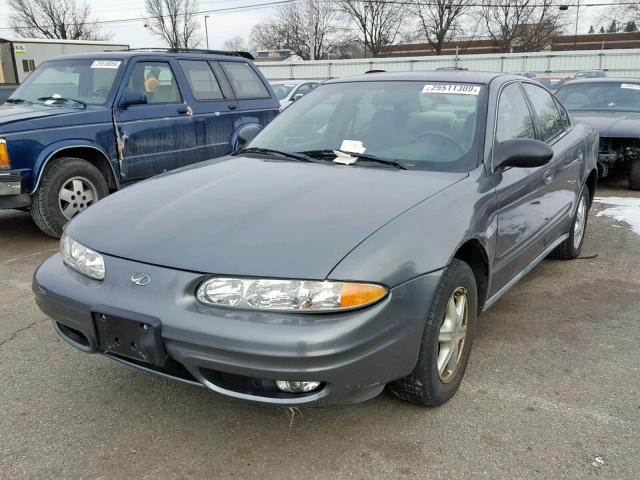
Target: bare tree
(174,21)
(236,44)
(62,19)
(378,21)
(523,25)
(623,12)
(440,20)
(289,30)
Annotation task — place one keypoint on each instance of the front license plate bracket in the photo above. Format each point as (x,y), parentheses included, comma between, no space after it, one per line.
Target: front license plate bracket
(130,335)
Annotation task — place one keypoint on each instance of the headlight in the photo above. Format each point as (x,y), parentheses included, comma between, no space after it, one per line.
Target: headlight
(81,258)
(288,295)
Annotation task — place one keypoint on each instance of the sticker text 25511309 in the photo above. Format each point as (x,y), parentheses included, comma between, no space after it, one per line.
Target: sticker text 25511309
(456,88)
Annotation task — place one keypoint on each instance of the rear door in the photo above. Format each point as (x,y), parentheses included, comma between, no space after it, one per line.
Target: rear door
(160,135)
(215,114)
(561,175)
(520,192)
(255,100)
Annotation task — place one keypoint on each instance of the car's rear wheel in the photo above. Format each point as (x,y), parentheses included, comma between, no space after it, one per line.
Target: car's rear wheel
(572,246)
(634,175)
(68,187)
(446,341)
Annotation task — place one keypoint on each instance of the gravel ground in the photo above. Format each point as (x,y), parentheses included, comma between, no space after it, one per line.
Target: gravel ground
(551,392)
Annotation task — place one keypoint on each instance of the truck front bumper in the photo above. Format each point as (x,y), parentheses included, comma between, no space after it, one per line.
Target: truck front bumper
(12,194)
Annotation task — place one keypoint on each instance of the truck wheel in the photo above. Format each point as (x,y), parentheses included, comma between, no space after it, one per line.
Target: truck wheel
(572,246)
(634,175)
(446,341)
(68,187)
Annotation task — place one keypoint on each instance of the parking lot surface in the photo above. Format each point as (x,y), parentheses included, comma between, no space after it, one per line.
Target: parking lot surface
(551,391)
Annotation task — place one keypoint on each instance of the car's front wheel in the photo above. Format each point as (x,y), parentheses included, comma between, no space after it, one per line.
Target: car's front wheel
(572,246)
(446,341)
(68,187)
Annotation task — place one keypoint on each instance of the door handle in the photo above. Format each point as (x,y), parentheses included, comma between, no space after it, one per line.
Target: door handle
(232,106)
(547,177)
(185,111)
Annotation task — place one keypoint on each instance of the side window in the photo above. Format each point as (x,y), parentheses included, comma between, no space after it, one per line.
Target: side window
(566,121)
(201,79)
(156,79)
(514,119)
(306,88)
(245,82)
(551,123)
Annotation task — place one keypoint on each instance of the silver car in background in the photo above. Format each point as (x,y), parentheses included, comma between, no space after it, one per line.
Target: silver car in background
(288,91)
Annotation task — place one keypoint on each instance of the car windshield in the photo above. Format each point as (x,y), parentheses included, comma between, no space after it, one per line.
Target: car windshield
(282,89)
(613,96)
(549,82)
(422,125)
(70,82)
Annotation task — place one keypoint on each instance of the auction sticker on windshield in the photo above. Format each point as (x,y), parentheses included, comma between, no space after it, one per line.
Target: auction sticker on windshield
(105,64)
(457,88)
(633,86)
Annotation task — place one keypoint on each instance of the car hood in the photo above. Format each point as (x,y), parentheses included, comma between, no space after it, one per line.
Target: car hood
(11,113)
(252,216)
(611,124)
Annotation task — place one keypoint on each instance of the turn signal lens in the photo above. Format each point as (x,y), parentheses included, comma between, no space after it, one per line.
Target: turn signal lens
(4,154)
(355,294)
(288,295)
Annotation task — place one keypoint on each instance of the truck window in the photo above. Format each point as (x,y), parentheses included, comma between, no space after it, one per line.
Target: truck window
(202,81)
(245,82)
(156,80)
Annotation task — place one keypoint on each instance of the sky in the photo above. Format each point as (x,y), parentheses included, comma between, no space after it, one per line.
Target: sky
(222,25)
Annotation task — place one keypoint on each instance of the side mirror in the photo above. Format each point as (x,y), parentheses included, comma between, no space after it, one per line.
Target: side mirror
(133,98)
(297,96)
(246,133)
(521,153)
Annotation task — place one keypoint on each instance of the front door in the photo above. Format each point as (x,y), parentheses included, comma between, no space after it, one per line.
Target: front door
(157,136)
(520,193)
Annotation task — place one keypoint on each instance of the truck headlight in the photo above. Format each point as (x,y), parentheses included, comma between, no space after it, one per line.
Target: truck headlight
(4,154)
(82,259)
(288,295)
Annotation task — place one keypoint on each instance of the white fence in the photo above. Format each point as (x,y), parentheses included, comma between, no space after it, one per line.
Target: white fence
(617,63)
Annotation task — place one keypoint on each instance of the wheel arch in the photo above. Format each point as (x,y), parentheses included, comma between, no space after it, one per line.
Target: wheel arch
(592,183)
(90,153)
(474,254)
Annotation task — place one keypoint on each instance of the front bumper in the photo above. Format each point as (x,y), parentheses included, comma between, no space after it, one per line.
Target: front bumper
(354,354)
(11,191)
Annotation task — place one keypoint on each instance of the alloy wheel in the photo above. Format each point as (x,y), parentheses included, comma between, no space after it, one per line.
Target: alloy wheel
(580,223)
(75,196)
(452,335)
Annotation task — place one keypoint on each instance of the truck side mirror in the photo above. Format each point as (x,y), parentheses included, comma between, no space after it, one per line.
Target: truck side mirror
(133,98)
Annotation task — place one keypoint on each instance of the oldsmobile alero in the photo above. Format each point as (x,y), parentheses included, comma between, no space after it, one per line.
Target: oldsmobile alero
(349,245)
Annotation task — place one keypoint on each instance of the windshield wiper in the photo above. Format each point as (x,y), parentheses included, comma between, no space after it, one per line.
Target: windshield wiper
(64,99)
(360,156)
(270,151)
(17,100)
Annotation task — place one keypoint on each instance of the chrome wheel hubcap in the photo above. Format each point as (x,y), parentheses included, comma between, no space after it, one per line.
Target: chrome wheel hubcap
(75,196)
(452,335)
(581,220)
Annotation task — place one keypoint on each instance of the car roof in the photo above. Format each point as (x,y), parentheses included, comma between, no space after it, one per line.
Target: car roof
(464,76)
(126,54)
(603,80)
(290,82)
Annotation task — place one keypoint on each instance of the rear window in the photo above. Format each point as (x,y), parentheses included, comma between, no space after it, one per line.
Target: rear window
(202,81)
(245,81)
(601,96)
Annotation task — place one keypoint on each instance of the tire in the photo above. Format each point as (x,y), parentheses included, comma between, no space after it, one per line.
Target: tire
(47,202)
(428,385)
(634,175)
(572,246)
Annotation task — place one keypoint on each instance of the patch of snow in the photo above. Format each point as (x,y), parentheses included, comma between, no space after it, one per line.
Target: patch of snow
(623,209)
(598,461)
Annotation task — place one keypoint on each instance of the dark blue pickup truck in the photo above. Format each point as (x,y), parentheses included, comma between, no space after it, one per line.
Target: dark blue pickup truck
(82,126)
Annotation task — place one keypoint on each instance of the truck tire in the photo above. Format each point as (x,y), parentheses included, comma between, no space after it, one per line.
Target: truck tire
(572,246)
(446,345)
(69,186)
(634,175)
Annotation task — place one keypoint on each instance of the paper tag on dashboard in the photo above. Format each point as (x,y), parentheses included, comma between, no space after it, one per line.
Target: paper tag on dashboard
(354,146)
(457,88)
(632,86)
(344,158)
(106,64)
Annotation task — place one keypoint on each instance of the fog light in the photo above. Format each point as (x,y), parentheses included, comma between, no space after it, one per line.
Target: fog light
(296,387)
